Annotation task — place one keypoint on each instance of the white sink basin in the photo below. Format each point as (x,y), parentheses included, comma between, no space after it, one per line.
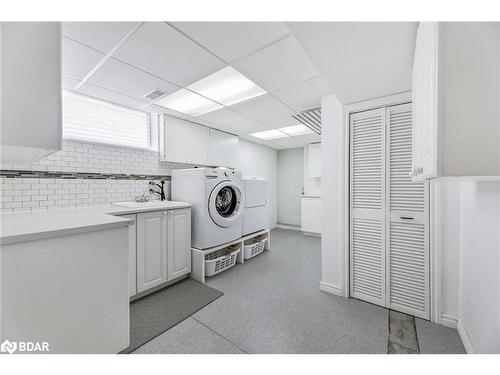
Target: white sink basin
(134,204)
(153,204)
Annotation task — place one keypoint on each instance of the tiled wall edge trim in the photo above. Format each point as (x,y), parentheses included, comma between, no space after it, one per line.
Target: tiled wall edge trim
(80,175)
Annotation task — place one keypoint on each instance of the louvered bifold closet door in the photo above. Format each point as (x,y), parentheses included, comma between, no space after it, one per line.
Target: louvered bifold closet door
(407,249)
(367,187)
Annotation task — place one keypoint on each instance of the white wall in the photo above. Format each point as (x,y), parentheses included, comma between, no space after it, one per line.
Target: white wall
(480,265)
(28,194)
(448,199)
(257,160)
(290,185)
(333,199)
(469,238)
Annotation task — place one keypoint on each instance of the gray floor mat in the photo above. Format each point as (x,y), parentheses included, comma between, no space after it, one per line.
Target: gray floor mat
(154,314)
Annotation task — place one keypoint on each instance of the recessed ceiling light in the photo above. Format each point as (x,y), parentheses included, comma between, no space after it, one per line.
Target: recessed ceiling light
(270,134)
(285,132)
(188,102)
(227,87)
(296,130)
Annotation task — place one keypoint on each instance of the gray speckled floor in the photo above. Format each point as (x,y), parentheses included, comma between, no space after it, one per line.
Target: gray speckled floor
(272,304)
(436,339)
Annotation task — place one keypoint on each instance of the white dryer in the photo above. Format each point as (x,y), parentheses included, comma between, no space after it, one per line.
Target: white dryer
(217,198)
(255,212)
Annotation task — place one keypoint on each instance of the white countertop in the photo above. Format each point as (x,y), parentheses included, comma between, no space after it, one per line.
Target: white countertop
(34,225)
(309,196)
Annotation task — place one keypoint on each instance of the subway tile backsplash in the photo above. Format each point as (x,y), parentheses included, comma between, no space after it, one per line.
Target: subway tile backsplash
(81,175)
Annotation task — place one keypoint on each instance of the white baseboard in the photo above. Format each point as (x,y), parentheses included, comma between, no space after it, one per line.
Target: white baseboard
(449,321)
(464,336)
(290,227)
(331,289)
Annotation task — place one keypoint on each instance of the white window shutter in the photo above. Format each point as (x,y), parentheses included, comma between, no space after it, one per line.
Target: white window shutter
(93,120)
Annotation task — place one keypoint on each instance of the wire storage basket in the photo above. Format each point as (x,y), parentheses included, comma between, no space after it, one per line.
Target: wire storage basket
(254,246)
(221,260)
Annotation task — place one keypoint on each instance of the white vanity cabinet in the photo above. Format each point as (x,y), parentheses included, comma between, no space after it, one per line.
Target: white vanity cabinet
(31,114)
(159,248)
(178,243)
(132,256)
(151,249)
(455,95)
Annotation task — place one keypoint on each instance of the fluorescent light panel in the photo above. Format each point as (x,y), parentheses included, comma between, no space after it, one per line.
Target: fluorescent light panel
(227,87)
(285,132)
(269,134)
(188,102)
(296,130)
(223,88)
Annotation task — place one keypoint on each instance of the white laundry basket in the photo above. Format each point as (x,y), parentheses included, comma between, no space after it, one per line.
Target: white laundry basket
(254,246)
(221,260)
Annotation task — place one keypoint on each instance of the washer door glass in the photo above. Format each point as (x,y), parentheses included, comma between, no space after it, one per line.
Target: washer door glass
(226,201)
(225,204)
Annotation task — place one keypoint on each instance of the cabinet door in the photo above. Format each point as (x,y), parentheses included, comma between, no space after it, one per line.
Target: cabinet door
(179,133)
(179,243)
(311,215)
(132,256)
(223,149)
(151,250)
(425,163)
(31,115)
(315,160)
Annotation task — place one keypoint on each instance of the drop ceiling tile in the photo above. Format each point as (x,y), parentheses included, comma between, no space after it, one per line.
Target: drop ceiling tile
(110,96)
(288,142)
(233,40)
(125,79)
(277,66)
(159,49)
(308,138)
(304,95)
(69,83)
(266,109)
(249,138)
(77,59)
(227,118)
(102,36)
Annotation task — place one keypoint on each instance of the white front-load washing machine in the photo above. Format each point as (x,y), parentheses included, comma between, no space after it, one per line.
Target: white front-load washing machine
(218,202)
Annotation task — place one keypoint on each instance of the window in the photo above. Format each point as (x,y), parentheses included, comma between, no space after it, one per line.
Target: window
(92,120)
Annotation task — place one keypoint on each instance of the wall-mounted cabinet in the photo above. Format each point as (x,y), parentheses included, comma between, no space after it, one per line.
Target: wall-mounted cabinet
(314,162)
(223,149)
(31,116)
(456,127)
(312,169)
(184,142)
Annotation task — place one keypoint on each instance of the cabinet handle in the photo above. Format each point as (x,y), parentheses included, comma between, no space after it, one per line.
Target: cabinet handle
(406,217)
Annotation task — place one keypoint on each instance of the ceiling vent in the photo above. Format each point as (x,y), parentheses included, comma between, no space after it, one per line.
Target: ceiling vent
(155,94)
(310,118)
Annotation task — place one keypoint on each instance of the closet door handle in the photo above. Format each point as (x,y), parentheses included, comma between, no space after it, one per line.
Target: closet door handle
(406,217)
